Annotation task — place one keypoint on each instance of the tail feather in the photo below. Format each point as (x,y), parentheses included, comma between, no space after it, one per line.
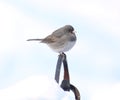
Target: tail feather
(34,40)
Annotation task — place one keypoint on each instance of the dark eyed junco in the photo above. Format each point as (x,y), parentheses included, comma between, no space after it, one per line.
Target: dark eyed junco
(61,40)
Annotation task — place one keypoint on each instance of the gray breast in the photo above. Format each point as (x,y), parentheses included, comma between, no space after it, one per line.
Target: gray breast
(73,38)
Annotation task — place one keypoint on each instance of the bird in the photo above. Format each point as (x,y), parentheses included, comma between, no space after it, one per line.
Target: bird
(61,40)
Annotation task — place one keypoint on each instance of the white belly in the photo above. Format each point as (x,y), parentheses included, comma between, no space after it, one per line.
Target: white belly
(66,47)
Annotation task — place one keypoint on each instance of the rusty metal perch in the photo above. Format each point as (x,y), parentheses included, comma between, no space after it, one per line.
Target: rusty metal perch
(65,85)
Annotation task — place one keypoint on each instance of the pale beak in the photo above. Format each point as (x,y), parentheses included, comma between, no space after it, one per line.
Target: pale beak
(74,32)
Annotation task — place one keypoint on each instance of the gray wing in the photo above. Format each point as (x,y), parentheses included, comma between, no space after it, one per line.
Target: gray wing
(49,39)
(59,32)
(54,36)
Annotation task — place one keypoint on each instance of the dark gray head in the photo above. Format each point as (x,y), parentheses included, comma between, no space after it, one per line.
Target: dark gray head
(68,28)
(63,30)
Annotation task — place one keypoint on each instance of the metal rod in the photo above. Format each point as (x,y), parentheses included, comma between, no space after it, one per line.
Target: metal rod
(58,67)
(75,91)
(66,71)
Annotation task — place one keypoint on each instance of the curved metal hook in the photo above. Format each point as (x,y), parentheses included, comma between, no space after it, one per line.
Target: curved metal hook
(65,85)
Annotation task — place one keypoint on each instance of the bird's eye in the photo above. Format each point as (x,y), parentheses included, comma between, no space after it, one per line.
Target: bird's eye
(71,29)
